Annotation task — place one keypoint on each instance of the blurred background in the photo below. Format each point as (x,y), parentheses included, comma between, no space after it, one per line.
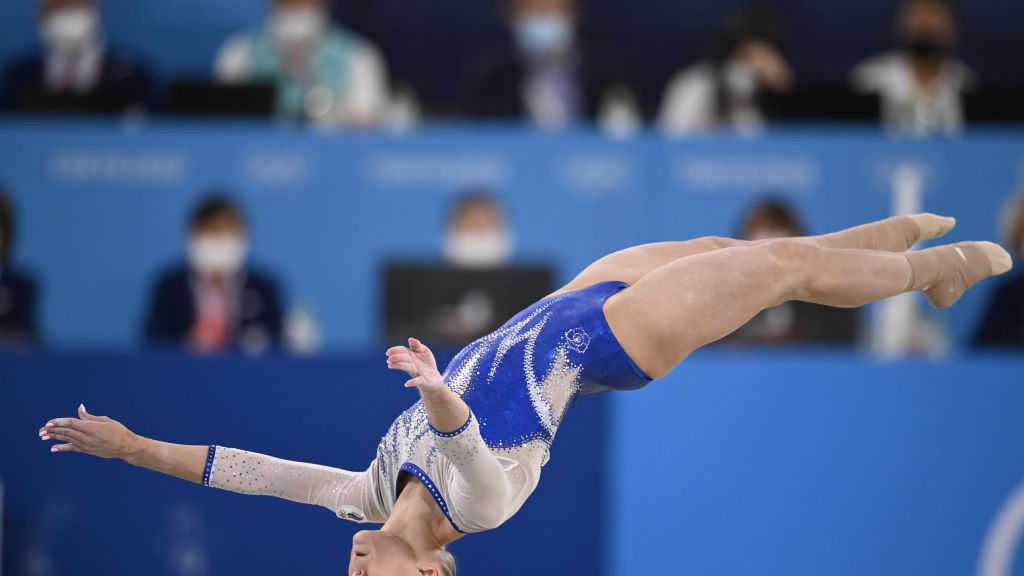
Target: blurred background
(214,217)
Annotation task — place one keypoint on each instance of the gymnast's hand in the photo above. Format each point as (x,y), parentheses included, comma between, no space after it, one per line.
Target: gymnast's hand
(96,435)
(418,362)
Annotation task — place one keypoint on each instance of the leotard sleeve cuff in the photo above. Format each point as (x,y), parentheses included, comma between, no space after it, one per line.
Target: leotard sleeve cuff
(208,468)
(453,433)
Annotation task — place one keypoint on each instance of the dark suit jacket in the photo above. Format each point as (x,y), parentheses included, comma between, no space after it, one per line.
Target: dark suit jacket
(172,308)
(18,302)
(124,83)
(497,92)
(1003,323)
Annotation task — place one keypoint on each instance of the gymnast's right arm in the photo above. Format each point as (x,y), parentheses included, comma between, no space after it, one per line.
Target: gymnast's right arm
(347,494)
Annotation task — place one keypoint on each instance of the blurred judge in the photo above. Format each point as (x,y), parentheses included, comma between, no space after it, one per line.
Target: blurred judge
(324,73)
(921,83)
(542,82)
(1002,325)
(721,92)
(18,300)
(216,301)
(794,322)
(75,70)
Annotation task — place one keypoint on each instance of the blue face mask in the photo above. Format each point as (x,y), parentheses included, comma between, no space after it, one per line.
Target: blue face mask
(544,33)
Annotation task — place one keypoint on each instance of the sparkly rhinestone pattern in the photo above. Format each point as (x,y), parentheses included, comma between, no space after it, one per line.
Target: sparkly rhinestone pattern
(519,381)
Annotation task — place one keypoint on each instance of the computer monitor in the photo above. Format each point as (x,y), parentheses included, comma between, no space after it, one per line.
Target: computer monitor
(452,306)
(202,98)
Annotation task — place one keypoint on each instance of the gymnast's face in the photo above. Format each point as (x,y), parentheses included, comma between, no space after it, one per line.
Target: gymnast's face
(375,553)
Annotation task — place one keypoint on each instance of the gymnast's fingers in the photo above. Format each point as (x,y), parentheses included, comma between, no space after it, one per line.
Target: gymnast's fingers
(414,382)
(63,422)
(67,435)
(64,448)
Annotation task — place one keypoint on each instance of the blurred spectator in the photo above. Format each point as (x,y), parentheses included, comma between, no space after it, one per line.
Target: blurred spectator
(17,291)
(475,289)
(75,70)
(542,82)
(217,301)
(921,84)
(1002,325)
(793,322)
(722,91)
(477,235)
(323,72)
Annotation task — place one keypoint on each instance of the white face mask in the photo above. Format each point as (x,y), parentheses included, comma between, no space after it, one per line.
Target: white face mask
(301,24)
(70,29)
(544,33)
(740,79)
(217,254)
(477,249)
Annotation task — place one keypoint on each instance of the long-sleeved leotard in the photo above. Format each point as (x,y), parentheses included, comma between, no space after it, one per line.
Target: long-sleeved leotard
(518,383)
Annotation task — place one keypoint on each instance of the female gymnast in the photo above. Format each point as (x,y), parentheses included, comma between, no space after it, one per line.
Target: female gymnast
(467,455)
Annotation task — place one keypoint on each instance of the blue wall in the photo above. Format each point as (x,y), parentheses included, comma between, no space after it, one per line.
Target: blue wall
(103,207)
(805,465)
(734,464)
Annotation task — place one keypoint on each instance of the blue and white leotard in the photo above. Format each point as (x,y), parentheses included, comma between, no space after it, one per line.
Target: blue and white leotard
(518,383)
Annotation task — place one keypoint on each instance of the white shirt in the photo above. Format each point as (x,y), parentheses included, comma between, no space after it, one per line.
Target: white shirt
(363,99)
(77,71)
(690,102)
(906,105)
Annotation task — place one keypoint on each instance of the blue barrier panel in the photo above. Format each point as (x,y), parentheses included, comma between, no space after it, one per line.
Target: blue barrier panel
(75,514)
(103,207)
(815,465)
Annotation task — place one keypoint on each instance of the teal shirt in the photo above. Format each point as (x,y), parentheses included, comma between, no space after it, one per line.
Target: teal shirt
(329,69)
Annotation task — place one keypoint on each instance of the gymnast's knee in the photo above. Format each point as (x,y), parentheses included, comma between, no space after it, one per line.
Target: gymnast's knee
(791,264)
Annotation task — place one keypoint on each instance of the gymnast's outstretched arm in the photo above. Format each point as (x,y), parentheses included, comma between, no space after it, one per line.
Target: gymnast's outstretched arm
(345,493)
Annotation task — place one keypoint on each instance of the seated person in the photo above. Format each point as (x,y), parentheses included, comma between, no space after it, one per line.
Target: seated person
(18,298)
(722,91)
(793,322)
(324,73)
(921,84)
(542,82)
(476,286)
(217,301)
(1002,324)
(75,70)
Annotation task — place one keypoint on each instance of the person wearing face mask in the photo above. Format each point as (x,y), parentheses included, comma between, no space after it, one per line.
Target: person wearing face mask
(922,83)
(324,73)
(792,323)
(543,81)
(75,70)
(477,235)
(1002,324)
(216,301)
(476,285)
(18,295)
(721,92)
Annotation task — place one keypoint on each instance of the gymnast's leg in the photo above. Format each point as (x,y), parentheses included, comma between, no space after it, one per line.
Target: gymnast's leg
(696,300)
(892,235)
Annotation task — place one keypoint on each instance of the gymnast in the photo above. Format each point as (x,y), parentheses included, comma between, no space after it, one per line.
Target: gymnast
(467,455)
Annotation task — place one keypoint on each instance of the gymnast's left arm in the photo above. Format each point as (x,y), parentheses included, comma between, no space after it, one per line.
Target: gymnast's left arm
(350,495)
(480,488)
